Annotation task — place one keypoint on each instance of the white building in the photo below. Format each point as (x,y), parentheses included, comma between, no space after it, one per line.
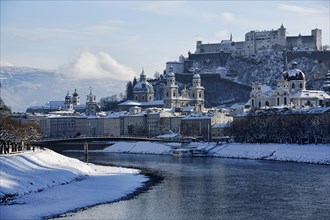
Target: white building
(194,96)
(290,92)
(91,105)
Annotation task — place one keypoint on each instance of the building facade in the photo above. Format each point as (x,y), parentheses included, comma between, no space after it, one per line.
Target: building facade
(290,92)
(143,91)
(194,96)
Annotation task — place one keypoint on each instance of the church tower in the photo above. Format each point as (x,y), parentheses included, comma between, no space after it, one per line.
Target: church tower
(171,91)
(91,106)
(75,98)
(68,106)
(197,93)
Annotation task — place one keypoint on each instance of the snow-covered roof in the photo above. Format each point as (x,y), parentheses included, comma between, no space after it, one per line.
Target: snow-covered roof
(199,116)
(266,89)
(311,94)
(221,125)
(153,103)
(143,86)
(130,102)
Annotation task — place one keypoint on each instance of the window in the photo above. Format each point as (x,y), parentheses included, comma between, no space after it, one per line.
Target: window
(174,94)
(200,95)
(300,85)
(285,102)
(293,86)
(167,94)
(267,103)
(278,100)
(252,103)
(259,104)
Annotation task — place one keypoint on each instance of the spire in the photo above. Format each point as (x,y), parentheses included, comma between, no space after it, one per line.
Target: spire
(90,89)
(143,75)
(231,36)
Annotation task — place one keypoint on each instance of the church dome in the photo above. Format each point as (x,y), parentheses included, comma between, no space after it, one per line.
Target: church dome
(294,73)
(170,74)
(196,76)
(143,86)
(75,94)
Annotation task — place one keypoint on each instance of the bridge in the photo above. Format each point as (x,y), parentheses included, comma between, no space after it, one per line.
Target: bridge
(95,143)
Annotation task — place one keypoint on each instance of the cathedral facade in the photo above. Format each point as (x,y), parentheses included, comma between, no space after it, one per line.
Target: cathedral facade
(194,96)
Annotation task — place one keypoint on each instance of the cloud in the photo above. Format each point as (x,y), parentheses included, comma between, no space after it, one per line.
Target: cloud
(163,7)
(97,66)
(105,26)
(298,9)
(5,63)
(224,34)
(225,16)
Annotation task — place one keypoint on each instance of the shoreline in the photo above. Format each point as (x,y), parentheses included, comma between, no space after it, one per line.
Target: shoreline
(44,184)
(311,153)
(153,180)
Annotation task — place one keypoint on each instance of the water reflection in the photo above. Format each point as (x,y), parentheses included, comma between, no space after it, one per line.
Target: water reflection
(213,188)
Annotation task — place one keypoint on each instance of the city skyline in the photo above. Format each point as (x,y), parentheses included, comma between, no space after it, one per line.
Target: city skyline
(115,40)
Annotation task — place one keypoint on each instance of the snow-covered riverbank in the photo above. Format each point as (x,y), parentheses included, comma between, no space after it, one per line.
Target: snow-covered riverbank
(45,183)
(311,153)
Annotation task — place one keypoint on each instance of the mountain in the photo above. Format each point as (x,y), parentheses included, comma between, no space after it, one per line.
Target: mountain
(22,87)
(267,67)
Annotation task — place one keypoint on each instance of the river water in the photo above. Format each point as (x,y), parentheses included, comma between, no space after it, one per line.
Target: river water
(218,188)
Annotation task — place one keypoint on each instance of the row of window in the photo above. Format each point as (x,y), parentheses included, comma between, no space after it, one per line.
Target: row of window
(285,102)
(193,95)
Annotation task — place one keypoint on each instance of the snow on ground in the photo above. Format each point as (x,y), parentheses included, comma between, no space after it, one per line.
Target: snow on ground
(46,183)
(310,153)
(142,147)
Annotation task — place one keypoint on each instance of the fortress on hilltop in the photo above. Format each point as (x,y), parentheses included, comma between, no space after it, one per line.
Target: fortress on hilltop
(212,57)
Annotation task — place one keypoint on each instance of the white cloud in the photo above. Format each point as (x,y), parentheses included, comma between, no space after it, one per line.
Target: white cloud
(97,66)
(5,63)
(219,17)
(163,7)
(222,35)
(298,9)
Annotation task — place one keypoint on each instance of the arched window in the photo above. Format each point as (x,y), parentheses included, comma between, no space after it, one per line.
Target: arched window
(300,85)
(173,94)
(200,95)
(293,85)
(308,103)
(285,101)
(166,94)
(259,104)
(278,100)
(267,103)
(136,97)
(252,103)
(143,97)
(193,95)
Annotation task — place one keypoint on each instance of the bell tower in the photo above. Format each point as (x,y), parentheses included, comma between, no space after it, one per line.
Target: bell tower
(171,90)
(91,106)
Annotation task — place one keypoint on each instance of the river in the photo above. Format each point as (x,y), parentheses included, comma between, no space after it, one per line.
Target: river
(218,188)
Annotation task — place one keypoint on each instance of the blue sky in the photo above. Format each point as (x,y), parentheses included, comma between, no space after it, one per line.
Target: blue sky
(116,39)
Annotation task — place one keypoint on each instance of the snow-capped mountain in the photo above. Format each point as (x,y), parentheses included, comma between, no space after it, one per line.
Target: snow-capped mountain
(22,87)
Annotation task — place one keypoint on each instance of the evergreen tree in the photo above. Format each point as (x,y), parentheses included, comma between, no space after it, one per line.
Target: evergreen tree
(134,81)
(129,90)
